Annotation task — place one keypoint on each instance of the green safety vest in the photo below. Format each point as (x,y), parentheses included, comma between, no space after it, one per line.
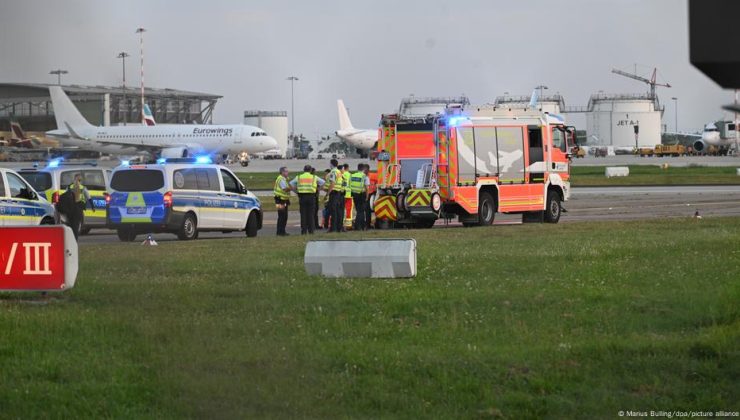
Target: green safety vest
(307,183)
(338,180)
(357,182)
(279,193)
(82,191)
(345,181)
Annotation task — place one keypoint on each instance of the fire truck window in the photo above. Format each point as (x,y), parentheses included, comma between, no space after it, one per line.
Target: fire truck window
(465,155)
(410,169)
(486,150)
(510,153)
(558,139)
(535,145)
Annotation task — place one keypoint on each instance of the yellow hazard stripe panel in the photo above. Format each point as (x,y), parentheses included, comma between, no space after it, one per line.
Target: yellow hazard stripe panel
(385,208)
(419,198)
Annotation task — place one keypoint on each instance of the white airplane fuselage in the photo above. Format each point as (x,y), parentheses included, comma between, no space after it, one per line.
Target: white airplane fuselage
(217,139)
(361,139)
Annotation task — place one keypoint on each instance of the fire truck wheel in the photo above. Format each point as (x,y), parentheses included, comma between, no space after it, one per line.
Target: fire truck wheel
(552,211)
(486,209)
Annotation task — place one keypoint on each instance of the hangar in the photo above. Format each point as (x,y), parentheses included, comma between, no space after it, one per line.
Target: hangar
(30,104)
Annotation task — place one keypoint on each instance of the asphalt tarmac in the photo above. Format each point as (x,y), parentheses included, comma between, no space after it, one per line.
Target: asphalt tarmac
(586,204)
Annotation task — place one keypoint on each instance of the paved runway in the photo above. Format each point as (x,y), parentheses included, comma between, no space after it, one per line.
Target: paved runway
(600,203)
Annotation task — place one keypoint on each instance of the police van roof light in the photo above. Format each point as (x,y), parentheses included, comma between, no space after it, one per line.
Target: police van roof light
(203,159)
(54,163)
(125,163)
(161,161)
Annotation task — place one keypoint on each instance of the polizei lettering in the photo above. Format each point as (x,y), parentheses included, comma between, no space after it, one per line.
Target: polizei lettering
(218,131)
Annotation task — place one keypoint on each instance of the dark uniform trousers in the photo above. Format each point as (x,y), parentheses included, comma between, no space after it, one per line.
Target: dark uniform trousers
(360,203)
(282,220)
(74,220)
(307,203)
(337,210)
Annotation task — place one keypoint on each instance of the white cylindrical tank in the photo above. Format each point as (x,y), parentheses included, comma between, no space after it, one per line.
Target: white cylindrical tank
(275,124)
(611,119)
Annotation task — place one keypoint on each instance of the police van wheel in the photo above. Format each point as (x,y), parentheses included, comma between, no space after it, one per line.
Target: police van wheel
(47,221)
(251,229)
(553,209)
(189,228)
(126,235)
(486,209)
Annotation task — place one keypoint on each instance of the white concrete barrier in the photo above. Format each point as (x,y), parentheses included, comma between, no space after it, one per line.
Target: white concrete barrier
(617,171)
(379,258)
(738,171)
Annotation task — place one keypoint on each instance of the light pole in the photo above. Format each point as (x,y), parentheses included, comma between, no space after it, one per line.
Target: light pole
(541,88)
(292,79)
(122,55)
(59,73)
(141,31)
(675,107)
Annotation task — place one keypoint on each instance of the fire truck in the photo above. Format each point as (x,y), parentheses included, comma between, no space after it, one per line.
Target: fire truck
(470,163)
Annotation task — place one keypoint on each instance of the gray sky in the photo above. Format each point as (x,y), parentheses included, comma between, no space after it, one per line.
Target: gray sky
(370,53)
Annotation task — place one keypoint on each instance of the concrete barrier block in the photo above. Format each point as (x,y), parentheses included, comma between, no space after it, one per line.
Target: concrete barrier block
(379,258)
(617,171)
(738,171)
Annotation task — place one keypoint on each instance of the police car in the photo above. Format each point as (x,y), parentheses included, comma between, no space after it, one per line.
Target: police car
(180,196)
(54,179)
(20,204)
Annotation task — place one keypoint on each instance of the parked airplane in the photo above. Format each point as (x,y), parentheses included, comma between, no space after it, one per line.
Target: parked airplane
(148,116)
(722,137)
(165,140)
(19,139)
(361,139)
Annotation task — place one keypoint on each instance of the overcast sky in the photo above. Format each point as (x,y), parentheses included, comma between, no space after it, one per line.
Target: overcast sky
(370,53)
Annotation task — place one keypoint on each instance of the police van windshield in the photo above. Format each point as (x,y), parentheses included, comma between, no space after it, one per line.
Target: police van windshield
(137,180)
(40,181)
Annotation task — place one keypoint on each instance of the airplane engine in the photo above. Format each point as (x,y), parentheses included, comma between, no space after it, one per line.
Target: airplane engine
(700,146)
(174,152)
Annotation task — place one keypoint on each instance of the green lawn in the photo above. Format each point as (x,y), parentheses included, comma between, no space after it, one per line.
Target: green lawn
(576,320)
(584,176)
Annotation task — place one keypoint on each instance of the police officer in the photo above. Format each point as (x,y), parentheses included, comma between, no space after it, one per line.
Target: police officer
(359,192)
(282,200)
(318,194)
(368,209)
(347,206)
(336,197)
(82,197)
(307,185)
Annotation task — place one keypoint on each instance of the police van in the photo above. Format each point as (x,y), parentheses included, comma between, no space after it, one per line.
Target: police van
(180,196)
(20,204)
(54,179)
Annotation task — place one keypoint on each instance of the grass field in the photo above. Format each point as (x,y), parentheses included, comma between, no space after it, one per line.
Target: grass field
(585,176)
(562,321)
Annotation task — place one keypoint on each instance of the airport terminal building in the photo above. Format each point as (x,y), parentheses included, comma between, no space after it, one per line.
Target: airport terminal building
(30,105)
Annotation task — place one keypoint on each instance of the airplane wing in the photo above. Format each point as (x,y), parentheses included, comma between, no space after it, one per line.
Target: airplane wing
(697,136)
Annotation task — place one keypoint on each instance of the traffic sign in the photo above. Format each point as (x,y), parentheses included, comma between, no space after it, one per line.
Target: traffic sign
(37,258)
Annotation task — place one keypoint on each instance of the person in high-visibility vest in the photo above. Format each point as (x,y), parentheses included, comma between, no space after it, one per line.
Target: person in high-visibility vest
(282,200)
(359,195)
(326,213)
(336,196)
(307,185)
(82,197)
(348,203)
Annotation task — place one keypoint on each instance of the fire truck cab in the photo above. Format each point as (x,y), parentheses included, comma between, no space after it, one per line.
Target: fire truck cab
(483,160)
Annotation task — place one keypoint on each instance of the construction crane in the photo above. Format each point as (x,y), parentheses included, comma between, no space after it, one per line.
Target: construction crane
(651,82)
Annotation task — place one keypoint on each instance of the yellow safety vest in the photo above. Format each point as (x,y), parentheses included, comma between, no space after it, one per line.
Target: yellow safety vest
(82,191)
(307,183)
(338,180)
(357,182)
(347,189)
(279,193)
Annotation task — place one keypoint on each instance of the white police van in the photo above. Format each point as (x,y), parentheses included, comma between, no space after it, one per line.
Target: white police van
(53,180)
(180,196)
(20,204)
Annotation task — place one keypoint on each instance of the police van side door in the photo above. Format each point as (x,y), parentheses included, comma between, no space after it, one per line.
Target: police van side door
(233,206)
(209,192)
(21,203)
(3,198)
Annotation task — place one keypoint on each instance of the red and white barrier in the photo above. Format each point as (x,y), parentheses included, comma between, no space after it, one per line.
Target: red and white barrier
(37,258)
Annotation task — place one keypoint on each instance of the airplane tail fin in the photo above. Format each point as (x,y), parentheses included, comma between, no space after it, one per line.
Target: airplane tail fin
(148,116)
(344,122)
(534,99)
(18,133)
(65,111)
